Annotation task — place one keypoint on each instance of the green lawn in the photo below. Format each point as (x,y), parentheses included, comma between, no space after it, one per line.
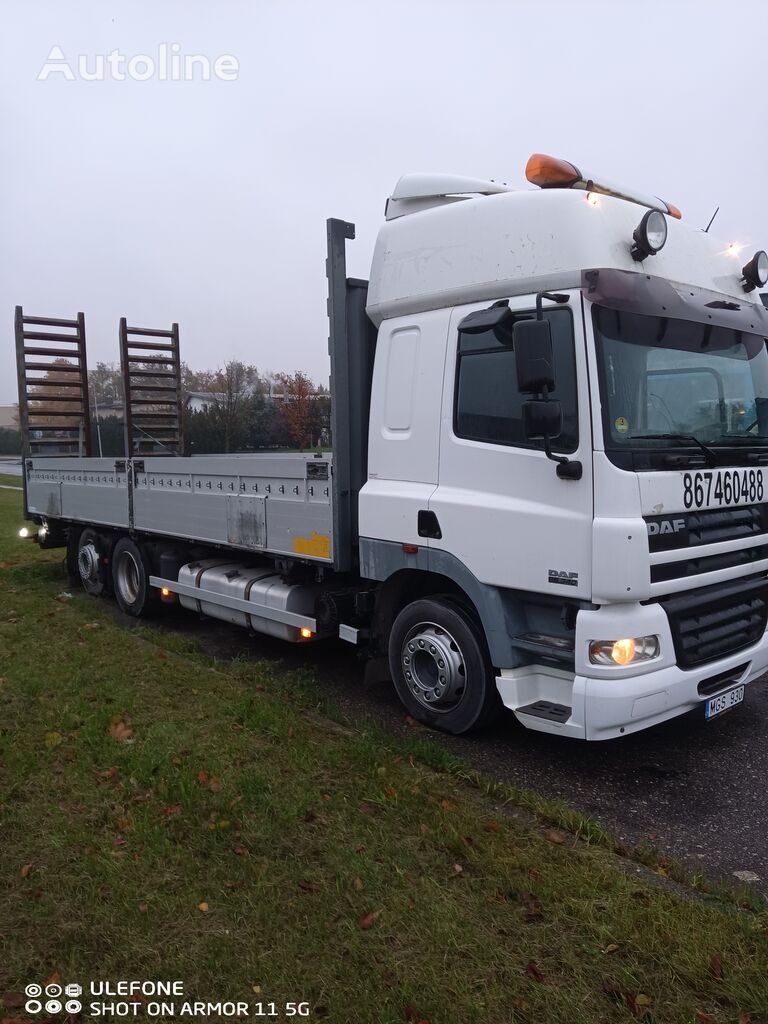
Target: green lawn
(164,817)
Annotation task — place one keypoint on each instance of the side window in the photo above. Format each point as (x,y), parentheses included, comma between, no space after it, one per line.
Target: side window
(488,406)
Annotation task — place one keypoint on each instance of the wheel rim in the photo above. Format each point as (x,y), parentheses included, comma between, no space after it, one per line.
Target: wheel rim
(128,577)
(88,563)
(434,667)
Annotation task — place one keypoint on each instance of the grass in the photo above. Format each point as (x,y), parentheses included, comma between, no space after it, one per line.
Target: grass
(165,817)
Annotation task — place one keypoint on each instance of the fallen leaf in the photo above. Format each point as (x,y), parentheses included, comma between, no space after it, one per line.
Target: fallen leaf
(162,655)
(716,965)
(53,740)
(25,870)
(120,841)
(143,908)
(611,947)
(290,732)
(90,625)
(359,884)
(458,868)
(745,1018)
(369,919)
(13,1000)
(661,870)
(411,1013)
(492,826)
(313,818)
(518,1003)
(533,972)
(390,791)
(532,907)
(368,808)
(241,851)
(233,885)
(555,837)
(171,809)
(120,730)
(203,907)
(410,721)
(447,805)
(202,778)
(214,784)
(611,988)
(308,886)
(534,874)
(705,1018)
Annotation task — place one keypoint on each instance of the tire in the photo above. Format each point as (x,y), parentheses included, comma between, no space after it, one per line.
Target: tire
(440,666)
(130,578)
(89,562)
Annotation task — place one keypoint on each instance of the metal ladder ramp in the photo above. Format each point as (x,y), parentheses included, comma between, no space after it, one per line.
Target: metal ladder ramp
(151,372)
(54,407)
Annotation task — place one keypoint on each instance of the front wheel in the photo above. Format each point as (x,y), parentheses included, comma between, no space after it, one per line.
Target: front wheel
(440,666)
(130,577)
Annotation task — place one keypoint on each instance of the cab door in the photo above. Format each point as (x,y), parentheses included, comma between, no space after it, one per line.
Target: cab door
(499,506)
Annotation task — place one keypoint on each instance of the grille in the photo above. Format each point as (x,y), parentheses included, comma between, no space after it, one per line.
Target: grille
(709,563)
(691,529)
(716,621)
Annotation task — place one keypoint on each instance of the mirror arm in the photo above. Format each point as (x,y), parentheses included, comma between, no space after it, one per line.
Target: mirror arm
(567,469)
(551,297)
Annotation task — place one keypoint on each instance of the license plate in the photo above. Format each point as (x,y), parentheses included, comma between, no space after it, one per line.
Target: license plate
(723,702)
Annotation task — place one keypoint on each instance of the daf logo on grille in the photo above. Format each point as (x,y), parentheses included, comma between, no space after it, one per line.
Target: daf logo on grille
(666,526)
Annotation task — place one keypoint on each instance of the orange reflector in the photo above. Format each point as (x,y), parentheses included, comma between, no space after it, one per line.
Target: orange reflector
(547,171)
(674,212)
(410,549)
(306,633)
(165,592)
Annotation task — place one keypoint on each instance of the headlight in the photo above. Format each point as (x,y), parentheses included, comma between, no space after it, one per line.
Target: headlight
(24,532)
(623,652)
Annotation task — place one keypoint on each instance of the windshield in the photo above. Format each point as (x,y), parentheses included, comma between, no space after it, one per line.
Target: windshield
(676,377)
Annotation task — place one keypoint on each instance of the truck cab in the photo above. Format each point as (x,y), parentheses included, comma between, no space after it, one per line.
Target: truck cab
(616,566)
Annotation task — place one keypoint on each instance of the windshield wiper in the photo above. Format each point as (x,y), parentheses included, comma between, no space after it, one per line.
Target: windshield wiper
(709,454)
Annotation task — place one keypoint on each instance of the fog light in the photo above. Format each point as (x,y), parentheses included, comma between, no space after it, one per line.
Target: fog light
(24,532)
(649,235)
(624,652)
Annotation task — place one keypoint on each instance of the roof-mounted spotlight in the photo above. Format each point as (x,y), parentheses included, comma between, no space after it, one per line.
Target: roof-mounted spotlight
(649,235)
(756,271)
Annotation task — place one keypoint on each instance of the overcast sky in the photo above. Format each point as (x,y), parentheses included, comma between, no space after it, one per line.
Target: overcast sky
(205,202)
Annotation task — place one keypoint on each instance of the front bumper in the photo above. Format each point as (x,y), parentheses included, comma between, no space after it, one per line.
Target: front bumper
(607,702)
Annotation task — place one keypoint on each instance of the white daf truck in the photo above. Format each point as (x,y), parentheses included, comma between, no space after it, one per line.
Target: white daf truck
(547,488)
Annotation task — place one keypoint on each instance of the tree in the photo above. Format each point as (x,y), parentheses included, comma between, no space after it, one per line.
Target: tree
(299,393)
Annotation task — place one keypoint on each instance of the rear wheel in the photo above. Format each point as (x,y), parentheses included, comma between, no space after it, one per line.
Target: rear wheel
(130,577)
(440,666)
(91,570)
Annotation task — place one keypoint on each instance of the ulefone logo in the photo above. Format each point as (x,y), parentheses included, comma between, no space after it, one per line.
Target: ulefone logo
(167,64)
(53,1004)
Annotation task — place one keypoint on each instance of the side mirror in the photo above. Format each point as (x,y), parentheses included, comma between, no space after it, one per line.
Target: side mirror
(542,419)
(532,342)
(489,319)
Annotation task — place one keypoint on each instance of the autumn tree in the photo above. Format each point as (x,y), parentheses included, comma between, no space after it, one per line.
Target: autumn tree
(299,396)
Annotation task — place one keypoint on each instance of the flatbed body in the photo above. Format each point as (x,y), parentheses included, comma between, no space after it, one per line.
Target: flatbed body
(274,504)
